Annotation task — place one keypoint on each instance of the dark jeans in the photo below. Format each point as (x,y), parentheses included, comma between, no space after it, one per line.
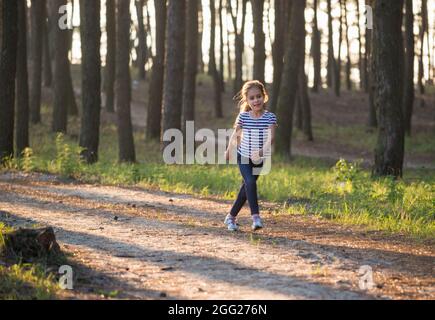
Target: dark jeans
(248,190)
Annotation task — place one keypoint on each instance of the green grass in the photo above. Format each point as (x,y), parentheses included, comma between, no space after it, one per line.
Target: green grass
(25,281)
(305,185)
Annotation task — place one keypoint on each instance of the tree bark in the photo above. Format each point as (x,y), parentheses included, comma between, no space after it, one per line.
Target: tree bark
(173,85)
(143,54)
(408,92)
(387,18)
(259,47)
(22,105)
(423,30)
(37,12)
(316,52)
(212,64)
(154,114)
(191,63)
(123,87)
(91,80)
(8,69)
(331,68)
(221,48)
(48,73)
(286,100)
(348,59)
(109,71)
(278,51)
(239,34)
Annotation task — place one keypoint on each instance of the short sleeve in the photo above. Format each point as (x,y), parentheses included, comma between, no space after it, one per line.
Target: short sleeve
(272,120)
(239,120)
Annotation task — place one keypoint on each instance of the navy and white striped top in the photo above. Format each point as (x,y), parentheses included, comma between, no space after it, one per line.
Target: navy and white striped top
(254,132)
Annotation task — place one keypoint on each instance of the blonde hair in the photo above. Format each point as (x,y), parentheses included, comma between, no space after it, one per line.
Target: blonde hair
(242,95)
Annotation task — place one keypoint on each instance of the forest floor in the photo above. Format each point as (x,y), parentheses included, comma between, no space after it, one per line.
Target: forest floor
(140,244)
(134,243)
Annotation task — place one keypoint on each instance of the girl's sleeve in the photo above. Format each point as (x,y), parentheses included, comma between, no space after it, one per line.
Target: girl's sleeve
(239,120)
(272,120)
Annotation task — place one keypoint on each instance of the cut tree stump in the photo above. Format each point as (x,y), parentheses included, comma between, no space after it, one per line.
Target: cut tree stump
(30,244)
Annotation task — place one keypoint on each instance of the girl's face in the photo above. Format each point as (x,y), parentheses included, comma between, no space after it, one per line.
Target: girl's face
(255,99)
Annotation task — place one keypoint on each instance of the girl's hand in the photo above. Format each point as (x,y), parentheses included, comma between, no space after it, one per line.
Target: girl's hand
(256,156)
(227,155)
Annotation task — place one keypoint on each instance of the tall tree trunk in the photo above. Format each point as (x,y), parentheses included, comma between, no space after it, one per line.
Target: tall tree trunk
(201,66)
(61,61)
(73,110)
(337,77)
(278,51)
(91,80)
(286,100)
(332,67)
(240,43)
(154,114)
(37,12)
(191,63)
(123,84)
(109,71)
(212,64)
(368,71)
(408,92)
(387,43)
(360,56)
(348,59)
(8,69)
(22,106)
(316,52)
(48,74)
(423,30)
(221,48)
(141,59)
(304,99)
(259,47)
(173,86)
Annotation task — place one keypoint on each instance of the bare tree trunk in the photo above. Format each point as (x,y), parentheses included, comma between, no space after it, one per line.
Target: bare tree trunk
(423,30)
(126,152)
(191,63)
(8,69)
(337,77)
(239,34)
(332,67)
(387,39)
(360,56)
(348,60)
(48,74)
(212,64)
(259,48)
(60,92)
(91,79)
(37,12)
(304,99)
(154,114)
(141,59)
(201,66)
(109,71)
(173,86)
(408,92)
(221,48)
(316,52)
(22,93)
(288,92)
(278,51)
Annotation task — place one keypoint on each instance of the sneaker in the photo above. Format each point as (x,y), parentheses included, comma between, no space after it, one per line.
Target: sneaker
(256,222)
(230,221)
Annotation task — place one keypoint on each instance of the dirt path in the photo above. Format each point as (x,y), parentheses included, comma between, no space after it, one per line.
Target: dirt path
(153,245)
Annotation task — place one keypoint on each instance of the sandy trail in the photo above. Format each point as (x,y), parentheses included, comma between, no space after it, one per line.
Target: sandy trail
(152,245)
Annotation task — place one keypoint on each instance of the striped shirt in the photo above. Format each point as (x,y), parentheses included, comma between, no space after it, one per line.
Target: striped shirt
(254,132)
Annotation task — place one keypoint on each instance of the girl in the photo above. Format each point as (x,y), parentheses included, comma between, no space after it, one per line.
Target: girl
(256,126)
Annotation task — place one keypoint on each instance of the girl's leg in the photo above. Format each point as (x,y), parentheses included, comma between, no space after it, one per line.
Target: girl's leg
(240,201)
(250,184)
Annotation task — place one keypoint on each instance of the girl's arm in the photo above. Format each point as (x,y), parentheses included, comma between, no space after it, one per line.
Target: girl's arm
(234,141)
(267,148)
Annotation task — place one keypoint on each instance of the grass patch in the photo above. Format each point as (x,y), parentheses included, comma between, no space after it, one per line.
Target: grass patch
(20,280)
